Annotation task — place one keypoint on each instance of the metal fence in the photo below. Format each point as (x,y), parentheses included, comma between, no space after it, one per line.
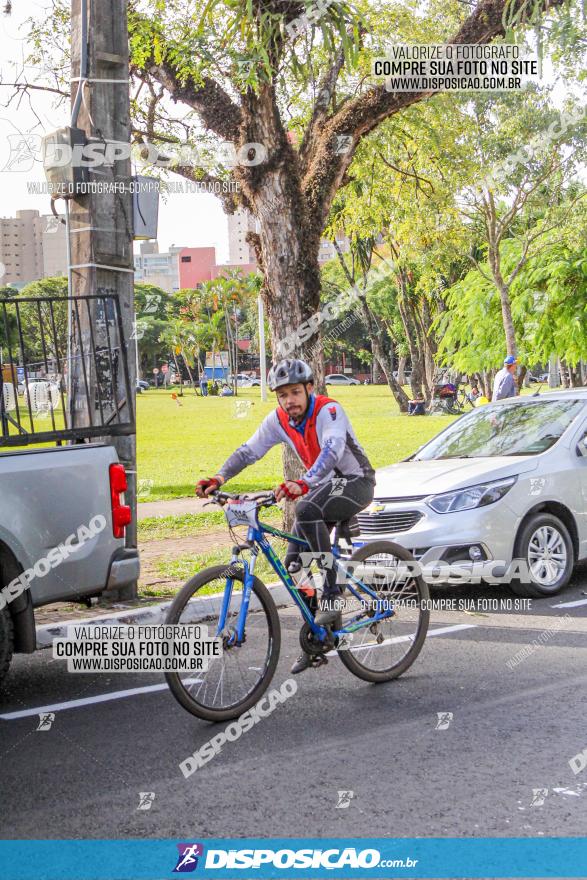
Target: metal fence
(63,370)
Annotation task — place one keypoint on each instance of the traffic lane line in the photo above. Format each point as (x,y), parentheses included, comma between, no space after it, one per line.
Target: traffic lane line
(409,638)
(155,688)
(131,692)
(517,622)
(88,701)
(574,604)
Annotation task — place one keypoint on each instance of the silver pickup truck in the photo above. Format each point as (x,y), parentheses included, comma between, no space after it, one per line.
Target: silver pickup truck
(62,522)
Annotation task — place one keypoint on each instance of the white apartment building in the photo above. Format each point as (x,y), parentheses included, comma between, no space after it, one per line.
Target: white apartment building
(239,251)
(239,223)
(161,270)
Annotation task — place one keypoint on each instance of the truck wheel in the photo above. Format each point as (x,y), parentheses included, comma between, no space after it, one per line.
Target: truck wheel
(6,642)
(545,545)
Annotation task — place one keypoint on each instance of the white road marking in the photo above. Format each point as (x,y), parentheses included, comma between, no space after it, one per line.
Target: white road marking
(434,632)
(154,688)
(574,604)
(88,701)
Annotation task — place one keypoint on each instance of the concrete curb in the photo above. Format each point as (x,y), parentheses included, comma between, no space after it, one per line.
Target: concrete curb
(152,615)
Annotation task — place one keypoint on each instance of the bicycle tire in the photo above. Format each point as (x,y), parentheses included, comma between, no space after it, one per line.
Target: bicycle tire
(347,657)
(268,605)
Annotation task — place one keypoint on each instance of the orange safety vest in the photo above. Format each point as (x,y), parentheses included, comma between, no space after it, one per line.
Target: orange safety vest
(307,446)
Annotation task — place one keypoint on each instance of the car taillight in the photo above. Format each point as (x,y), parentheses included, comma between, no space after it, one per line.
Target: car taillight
(121,515)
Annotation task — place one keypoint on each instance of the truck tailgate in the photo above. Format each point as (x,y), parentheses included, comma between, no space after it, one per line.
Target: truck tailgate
(50,496)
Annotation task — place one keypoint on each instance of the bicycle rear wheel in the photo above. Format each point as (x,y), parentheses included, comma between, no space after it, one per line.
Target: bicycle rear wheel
(385,650)
(236,680)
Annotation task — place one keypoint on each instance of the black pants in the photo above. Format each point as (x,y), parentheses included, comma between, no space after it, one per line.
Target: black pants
(334,501)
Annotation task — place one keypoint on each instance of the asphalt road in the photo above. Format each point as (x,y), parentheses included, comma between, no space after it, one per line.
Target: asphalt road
(513,731)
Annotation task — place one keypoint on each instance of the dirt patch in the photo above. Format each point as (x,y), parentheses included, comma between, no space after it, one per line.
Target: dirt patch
(152,551)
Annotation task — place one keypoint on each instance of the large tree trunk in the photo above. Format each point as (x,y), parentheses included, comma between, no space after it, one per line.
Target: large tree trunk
(288,239)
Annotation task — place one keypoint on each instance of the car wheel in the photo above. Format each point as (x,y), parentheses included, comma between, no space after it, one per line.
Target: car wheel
(6,642)
(545,545)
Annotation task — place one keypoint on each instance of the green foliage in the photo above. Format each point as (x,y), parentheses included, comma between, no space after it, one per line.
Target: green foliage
(152,305)
(549,309)
(35,317)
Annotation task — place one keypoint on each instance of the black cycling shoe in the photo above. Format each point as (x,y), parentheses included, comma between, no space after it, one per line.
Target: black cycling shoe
(329,611)
(303,662)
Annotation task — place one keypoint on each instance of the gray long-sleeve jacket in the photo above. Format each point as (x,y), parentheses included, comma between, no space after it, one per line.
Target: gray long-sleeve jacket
(332,449)
(504,385)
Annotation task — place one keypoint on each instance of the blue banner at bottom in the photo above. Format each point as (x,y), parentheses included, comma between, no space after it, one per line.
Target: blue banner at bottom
(285,858)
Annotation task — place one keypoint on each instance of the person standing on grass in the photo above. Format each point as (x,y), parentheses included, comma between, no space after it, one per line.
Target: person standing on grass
(338,482)
(504,384)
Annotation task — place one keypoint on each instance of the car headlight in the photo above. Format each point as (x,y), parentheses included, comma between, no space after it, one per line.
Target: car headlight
(473,496)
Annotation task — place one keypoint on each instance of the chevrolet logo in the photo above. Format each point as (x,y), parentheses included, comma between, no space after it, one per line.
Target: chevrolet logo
(375,508)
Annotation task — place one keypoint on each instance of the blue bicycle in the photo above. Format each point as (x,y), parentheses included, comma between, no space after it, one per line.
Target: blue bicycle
(384,618)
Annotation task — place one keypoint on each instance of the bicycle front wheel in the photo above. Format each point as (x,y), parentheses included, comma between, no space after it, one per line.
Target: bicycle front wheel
(236,680)
(384,650)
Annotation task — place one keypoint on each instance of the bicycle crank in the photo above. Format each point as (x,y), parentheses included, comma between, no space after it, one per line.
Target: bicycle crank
(312,645)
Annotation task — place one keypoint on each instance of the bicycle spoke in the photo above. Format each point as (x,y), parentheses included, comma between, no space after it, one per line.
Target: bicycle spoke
(384,647)
(231,678)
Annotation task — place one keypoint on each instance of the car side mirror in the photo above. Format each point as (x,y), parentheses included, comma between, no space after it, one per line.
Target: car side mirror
(582,446)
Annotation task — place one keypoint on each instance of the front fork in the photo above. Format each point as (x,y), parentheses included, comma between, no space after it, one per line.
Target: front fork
(236,636)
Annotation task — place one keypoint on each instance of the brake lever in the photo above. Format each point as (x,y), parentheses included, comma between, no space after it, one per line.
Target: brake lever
(215,497)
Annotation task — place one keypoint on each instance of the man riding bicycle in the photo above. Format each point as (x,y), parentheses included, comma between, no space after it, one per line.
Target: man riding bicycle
(339,480)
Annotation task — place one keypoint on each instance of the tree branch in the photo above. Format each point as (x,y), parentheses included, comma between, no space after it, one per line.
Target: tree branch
(214,106)
(417,177)
(25,87)
(359,116)
(326,88)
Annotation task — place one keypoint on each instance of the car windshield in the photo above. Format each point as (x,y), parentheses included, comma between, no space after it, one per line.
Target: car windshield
(504,429)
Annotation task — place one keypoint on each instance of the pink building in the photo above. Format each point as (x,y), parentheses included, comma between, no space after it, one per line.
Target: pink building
(196,265)
(245,268)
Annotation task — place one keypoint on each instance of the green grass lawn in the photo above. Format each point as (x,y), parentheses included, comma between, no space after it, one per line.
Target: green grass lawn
(157,528)
(177,445)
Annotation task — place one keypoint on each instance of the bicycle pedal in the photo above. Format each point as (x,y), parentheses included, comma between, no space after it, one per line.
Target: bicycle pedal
(319,660)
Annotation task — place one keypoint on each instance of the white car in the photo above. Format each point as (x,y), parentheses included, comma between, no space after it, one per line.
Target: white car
(340,379)
(243,380)
(506,481)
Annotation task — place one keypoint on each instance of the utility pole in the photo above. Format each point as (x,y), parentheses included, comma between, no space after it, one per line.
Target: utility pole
(101,224)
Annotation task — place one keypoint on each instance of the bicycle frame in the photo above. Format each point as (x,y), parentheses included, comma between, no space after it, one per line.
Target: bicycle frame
(258,542)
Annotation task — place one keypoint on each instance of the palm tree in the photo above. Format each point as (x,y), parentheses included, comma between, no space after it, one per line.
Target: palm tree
(210,334)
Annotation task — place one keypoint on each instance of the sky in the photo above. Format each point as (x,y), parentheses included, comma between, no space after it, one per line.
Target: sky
(187,219)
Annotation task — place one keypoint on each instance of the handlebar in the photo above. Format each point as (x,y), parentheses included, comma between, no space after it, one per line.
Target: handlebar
(265,499)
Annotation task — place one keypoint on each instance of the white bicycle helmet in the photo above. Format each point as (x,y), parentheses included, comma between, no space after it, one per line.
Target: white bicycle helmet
(289,372)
